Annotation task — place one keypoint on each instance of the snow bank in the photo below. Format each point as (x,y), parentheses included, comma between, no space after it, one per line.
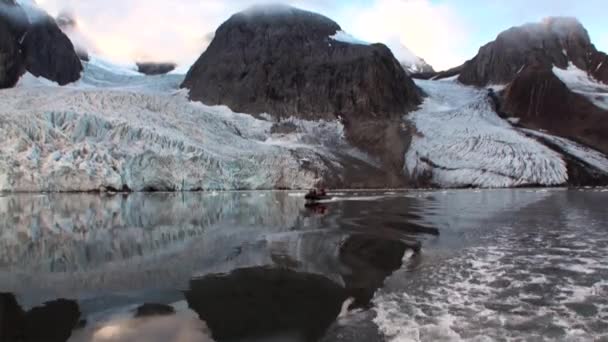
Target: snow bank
(580,82)
(344,37)
(115,131)
(460,141)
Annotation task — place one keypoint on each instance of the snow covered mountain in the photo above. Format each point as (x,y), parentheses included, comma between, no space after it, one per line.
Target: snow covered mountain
(410,62)
(117,129)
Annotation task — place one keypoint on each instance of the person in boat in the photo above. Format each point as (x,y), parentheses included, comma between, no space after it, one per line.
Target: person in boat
(316,194)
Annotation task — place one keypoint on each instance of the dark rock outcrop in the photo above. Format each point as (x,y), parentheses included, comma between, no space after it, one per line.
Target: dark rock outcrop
(38,46)
(49,53)
(51,322)
(150,68)
(11,61)
(13,24)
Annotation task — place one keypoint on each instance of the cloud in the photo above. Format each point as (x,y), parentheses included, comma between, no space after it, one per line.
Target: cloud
(443,32)
(431,30)
(152,30)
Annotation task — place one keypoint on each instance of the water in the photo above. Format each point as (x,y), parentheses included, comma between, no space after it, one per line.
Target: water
(260,266)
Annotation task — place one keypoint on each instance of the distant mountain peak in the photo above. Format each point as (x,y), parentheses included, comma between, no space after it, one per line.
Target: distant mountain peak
(412,64)
(555,41)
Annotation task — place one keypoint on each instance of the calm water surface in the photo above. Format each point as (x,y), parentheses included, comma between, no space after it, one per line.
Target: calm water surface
(528,265)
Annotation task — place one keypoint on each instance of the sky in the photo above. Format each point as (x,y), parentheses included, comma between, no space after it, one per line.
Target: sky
(443,32)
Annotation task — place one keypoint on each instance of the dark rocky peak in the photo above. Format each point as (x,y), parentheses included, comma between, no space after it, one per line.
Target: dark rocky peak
(282,61)
(49,53)
(31,40)
(554,41)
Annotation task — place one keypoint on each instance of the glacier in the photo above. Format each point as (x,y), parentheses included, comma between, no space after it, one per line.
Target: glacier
(117,130)
(460,141)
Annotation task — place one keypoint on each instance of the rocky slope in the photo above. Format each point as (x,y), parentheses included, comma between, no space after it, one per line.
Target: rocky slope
(31,40)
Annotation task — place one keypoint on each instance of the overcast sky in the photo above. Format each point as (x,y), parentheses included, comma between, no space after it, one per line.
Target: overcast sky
(444,32)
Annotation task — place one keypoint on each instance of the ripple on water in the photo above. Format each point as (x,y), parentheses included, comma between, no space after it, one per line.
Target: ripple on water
(552,287)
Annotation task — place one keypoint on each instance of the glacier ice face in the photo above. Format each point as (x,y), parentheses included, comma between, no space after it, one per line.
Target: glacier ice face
(460,141)
(116,131)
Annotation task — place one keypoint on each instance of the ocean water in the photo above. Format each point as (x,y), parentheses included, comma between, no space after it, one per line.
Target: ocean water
(461,265)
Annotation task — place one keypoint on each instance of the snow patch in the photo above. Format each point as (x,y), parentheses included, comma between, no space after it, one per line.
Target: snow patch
(461,141)
(344,37)
(579,81)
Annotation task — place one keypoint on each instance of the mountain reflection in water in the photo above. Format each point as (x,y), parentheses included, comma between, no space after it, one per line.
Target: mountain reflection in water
(252,266)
